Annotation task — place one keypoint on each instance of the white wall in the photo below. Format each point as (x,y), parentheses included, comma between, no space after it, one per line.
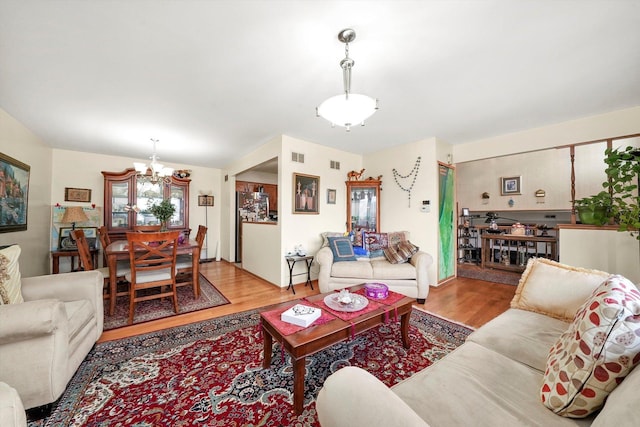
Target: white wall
(258,257)
(20,143)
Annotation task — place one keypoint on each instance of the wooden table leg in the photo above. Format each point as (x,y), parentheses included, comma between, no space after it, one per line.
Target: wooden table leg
(404,328)
(298,384)
(113,284)
(267,348)
(195,272)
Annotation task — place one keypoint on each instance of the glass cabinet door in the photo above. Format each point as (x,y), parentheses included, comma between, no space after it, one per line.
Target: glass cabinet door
(119,202)
(178,201)
(147,195)
(363,205)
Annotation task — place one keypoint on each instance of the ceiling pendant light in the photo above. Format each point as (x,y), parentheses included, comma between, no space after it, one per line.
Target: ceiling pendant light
(348,109)
(159,173)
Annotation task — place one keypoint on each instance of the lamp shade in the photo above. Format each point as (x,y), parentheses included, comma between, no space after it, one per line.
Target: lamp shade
(347,112)
(74,214)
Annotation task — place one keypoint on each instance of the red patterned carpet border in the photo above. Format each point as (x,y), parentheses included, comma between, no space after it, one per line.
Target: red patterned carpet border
(157,308)
(210,374)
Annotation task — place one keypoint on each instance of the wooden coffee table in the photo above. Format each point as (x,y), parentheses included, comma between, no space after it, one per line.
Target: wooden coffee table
(308,341)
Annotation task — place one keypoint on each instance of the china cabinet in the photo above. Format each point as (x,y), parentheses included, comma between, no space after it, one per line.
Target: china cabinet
(363,205)
(127,200)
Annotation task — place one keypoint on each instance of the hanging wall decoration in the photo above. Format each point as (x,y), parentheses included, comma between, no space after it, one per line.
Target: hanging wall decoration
(413,175)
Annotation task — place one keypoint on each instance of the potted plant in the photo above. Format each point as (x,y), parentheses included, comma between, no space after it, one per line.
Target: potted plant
(163,211)
(623,176)
(596,209)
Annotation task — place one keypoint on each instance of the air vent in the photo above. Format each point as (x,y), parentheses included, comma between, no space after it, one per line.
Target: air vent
(297,157)
(334,164)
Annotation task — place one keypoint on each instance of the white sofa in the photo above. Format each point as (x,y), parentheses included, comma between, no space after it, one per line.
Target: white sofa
(410,278)
(494,379)
(44,339)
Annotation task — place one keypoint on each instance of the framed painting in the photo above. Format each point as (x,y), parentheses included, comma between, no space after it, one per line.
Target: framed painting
(331,196)
(305,194)
(77,195)
(66,243)
(14,194)
(204,200)
(510,185)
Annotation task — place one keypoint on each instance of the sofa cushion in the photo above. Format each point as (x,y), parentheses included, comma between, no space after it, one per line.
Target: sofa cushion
(353,269)
(555,289)
(407,249)
(341,249)
(10,275)
(598,350)
(621,407)
(384,270)
(475,386)
(375,241)
(395,237)
(327,234)
(393,256)
(514,335)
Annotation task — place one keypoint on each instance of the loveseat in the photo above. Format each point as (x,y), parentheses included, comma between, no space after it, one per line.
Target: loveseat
(48,324)
(500,375)
(409,277)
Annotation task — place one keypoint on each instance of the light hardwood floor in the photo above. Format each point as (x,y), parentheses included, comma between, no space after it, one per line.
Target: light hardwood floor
(468,301)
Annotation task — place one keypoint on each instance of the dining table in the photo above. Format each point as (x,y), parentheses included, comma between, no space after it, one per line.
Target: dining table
(119,250)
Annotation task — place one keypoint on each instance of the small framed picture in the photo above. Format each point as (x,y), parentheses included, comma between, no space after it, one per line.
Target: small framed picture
(306,194)
(510,185)
(204,200)
(66,243)
(77,195)
(465,211)
(331,196)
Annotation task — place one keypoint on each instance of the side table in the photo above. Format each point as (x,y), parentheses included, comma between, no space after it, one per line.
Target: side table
(291,262)
(56,255)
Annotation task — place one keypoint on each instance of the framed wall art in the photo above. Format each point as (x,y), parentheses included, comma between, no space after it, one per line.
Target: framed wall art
(510,185)
(66,243)
(305,194)
(331,196)
(14,194)
(204,200)
(77,195)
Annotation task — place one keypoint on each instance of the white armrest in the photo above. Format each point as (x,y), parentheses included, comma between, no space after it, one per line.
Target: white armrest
(422,261)
(354,394)
(87,285)
(324,258)
(32,319)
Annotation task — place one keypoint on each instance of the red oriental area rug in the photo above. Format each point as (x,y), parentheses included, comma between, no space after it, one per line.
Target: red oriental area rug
(210,374)
(159,308)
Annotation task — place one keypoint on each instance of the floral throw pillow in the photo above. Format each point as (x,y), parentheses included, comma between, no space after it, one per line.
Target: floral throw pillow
(10,276)
(599,349)
(375,241)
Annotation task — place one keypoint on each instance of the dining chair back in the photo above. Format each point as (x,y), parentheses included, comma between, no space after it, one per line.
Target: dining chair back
(87,264)
(105,241)
(147,228)
(153,265)
(184,264)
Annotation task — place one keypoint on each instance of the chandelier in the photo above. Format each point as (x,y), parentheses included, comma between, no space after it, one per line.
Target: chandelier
(347,109)
(159,173)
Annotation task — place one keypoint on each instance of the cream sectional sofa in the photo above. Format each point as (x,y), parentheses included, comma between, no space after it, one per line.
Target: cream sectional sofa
(494,379)
(410,278)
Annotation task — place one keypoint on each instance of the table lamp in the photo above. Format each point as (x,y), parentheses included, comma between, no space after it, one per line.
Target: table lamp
(74,214)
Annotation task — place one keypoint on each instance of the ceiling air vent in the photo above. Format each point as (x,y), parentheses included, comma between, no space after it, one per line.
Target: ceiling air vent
(297,157)
(334,164)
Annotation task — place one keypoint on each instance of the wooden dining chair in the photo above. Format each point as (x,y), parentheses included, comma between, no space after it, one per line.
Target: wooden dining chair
(153,265)
(184,263)
(147,228)
(86,264)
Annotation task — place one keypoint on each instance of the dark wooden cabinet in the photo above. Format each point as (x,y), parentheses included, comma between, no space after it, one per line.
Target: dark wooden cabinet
(254,187)
(363,205)
(127,200)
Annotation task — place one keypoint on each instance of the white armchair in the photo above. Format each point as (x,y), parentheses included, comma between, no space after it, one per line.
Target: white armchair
(44,339)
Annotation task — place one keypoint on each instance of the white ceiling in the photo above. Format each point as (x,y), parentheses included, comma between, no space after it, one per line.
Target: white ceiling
(213,80)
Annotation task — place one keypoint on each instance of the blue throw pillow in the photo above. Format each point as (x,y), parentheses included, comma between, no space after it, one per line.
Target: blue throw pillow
(341,248)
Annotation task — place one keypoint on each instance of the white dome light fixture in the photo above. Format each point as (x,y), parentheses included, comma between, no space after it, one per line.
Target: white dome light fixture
(348,109)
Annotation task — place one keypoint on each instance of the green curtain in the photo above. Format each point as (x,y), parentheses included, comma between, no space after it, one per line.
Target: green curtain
(446,246)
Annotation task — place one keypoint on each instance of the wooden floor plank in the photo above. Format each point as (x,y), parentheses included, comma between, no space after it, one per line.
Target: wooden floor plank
(468,301)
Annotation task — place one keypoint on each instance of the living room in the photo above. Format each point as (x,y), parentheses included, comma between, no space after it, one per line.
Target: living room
(55,166)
